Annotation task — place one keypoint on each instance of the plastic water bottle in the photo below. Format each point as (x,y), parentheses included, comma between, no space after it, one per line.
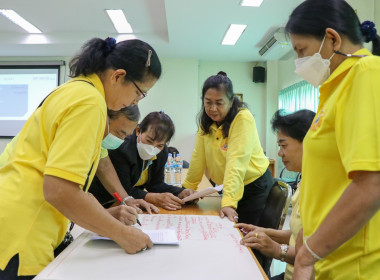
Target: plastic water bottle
(167,173)
(169,170)
(178,169)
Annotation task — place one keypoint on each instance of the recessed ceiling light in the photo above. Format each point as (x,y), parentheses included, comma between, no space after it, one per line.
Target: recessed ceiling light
(233,34)
(119,21)
(20,21)
(35,39)
(251,3)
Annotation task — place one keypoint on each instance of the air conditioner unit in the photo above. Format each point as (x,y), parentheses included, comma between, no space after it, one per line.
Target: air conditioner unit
(277,47)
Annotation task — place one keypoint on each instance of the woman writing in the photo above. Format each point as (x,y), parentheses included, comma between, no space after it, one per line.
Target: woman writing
(140,163)
(228,146)
(340,193)
(120,124)
(280,244)
(57,151)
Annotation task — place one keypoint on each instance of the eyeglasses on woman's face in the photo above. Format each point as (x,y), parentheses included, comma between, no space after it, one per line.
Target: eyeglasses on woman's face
(142,94)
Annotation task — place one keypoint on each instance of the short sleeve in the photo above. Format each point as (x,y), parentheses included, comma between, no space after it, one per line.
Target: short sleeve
(76,143)
(358,119)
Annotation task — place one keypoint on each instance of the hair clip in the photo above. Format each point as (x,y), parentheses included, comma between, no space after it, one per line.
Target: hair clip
(110,44)
(147,64)
(368,30)
(162,112)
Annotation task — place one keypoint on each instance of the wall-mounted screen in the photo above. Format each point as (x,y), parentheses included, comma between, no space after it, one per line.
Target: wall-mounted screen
(22,88)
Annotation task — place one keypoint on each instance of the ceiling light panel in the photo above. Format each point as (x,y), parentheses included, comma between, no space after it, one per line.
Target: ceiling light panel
(119,21)
(251,3)
(233,34)
(20,21)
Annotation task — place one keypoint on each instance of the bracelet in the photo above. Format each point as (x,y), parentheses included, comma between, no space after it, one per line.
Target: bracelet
(284,250)
(311,252)
(127,197)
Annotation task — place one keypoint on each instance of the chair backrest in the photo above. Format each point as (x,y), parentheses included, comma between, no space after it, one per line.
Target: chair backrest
(295,178)
(277,205)
(274,214)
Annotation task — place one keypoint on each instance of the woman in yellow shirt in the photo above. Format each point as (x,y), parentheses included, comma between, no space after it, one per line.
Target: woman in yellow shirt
(340,193)
(57,152)
(273,243)
(228,146)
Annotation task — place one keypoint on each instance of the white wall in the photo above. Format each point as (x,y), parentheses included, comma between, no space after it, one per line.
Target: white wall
(178,93)
(179,89)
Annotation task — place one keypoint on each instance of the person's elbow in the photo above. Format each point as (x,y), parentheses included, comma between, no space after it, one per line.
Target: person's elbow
(56,189)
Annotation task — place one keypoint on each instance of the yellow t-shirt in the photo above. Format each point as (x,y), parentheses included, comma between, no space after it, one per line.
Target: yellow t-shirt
(343,138)
(62,138)
(234,161)
(295,226)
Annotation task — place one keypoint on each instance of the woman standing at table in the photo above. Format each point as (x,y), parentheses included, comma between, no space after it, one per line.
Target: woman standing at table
(340,193)
(228,146)
(56,155)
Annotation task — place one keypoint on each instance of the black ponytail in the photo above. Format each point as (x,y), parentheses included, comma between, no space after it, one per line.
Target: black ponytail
(136,57)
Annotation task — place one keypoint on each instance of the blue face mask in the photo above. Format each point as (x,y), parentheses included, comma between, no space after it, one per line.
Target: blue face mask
(111,142)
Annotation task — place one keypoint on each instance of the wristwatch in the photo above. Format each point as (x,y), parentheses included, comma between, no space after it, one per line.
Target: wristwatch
(284,250)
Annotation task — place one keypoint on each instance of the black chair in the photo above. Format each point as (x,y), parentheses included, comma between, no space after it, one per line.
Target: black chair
(274,214)
(294,182)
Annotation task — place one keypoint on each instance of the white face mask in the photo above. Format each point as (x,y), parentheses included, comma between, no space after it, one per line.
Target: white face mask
(314,69)
(111,142)
(146,151)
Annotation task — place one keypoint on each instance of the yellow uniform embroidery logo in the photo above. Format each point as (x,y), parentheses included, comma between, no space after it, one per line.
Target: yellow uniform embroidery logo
(224,147)
(318,120)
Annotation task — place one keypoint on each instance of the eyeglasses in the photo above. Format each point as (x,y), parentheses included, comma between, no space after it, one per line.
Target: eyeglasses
(143,94)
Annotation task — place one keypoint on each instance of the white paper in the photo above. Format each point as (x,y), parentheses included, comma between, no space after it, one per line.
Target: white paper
(158,236)
(203,193)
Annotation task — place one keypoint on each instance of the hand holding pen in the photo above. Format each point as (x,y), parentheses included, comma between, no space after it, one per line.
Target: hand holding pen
(118,198)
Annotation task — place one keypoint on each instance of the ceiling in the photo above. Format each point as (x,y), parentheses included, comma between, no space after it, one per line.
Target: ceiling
(175,28)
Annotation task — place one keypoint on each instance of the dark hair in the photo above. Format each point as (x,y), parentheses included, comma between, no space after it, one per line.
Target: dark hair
(161,123)
(312,17)
(136,57)
(294,125)
(222,83)
(131,112)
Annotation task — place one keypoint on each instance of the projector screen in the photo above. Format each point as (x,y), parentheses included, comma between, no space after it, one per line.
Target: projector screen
(22,88)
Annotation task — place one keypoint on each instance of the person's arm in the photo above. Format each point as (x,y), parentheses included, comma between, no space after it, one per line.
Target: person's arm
(363,197)
(267,246)
(279,236)
(84,210)
(110,180)
(243,141)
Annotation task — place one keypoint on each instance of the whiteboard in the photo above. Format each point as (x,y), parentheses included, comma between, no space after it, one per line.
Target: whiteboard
(209,248)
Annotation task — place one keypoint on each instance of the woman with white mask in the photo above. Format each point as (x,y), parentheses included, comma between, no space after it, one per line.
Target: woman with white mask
(140,163)
(340,187)
(120,124)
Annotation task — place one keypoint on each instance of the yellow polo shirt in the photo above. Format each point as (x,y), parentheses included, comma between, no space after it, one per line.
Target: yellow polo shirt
(234,161)
(343,138)
(62,139)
